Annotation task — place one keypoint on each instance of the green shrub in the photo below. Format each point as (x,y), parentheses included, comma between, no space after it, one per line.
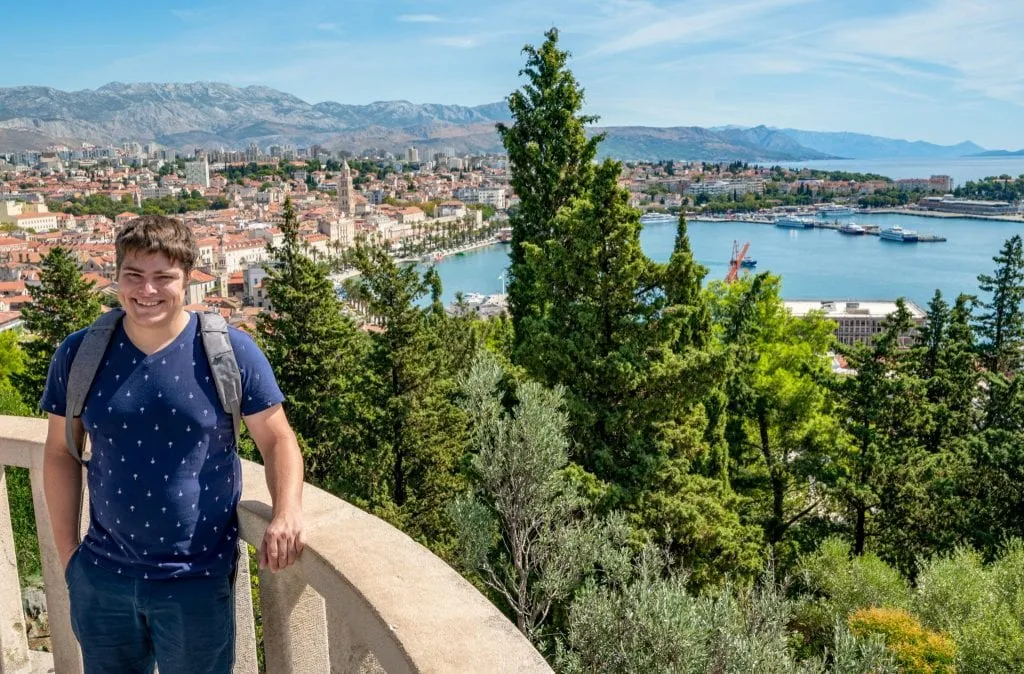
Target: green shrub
(838,584)
(917,650)
(981,608)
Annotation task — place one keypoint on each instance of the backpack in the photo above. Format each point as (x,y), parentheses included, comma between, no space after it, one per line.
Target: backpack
(219,354)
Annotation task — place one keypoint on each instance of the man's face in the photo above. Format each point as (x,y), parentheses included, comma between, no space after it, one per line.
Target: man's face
(151,289)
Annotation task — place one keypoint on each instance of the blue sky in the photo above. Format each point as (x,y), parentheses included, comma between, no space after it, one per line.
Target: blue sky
(937,70)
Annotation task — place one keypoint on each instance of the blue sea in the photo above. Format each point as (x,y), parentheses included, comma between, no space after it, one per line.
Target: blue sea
(814,264)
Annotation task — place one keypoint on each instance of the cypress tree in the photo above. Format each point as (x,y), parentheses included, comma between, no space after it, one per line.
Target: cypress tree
(62,303)
(413,445)
(551,157)
(315,351)
(1000,324)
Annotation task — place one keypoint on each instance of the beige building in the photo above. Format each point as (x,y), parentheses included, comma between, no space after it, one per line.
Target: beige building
(241,254)
(37,222)
(856,321)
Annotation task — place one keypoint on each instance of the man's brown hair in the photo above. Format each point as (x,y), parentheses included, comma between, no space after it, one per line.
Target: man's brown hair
(158,234)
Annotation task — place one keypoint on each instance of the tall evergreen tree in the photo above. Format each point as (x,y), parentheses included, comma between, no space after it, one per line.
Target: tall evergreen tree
(634,375)
(945,360)
(882,405)
(1000,324)
(414,446)
(552,160)
(62,303)
(316,352)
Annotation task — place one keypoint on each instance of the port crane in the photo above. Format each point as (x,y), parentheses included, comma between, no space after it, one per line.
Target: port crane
(736,261)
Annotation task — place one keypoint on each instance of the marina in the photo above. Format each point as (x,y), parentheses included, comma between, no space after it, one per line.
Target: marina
(819,262)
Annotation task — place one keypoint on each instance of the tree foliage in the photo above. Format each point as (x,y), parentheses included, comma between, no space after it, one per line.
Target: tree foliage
(316,352)
(62,303)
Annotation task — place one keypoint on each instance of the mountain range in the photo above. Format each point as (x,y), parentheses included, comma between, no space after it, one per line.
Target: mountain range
(209,114)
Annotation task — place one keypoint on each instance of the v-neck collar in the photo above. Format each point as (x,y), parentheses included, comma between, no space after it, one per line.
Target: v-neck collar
(187,334)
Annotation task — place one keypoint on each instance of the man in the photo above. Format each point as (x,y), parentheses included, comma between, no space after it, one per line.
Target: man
(151,582)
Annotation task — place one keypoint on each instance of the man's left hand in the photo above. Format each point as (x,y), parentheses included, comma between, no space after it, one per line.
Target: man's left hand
(283,542)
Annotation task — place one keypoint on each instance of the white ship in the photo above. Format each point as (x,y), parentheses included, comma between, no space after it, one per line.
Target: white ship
(794,222)
(897,233)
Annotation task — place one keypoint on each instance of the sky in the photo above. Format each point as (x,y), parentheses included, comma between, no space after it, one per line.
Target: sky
(943,71)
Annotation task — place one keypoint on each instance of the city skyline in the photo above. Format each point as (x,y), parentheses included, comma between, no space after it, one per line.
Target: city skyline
(901,70)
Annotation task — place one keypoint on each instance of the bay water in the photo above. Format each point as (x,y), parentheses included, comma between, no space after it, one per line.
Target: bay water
(819,264)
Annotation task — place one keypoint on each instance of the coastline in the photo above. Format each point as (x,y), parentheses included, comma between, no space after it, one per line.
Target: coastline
(939,214)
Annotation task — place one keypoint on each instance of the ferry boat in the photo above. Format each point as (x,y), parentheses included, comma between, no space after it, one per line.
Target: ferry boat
(833,211)
(657,217)
(794,222)
(852,229)
(897,233)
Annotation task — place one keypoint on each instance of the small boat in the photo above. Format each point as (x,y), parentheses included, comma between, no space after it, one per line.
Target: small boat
(897,233)
(747,262)
(794,222)
(852,229)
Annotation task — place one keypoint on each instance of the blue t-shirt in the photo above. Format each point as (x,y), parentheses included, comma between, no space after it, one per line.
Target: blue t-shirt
(164,477)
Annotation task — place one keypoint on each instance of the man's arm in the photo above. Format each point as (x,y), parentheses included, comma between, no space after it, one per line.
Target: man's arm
(62,488)
(282,458)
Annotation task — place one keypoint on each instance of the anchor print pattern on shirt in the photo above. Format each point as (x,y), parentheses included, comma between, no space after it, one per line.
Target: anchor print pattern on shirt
(164,478)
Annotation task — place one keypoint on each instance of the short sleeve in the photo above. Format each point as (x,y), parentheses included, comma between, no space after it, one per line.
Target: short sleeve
(55,393)
(259,386)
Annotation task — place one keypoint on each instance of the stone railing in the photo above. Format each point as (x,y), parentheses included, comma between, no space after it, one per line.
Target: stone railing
(363,596)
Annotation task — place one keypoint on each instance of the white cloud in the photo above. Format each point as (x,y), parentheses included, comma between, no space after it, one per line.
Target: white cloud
(455,42)
(975,45)
(684,24)
(419,18)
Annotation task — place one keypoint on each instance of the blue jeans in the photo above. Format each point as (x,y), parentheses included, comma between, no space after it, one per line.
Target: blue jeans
(126,626)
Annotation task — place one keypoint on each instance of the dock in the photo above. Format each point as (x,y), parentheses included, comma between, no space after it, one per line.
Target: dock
(875,230)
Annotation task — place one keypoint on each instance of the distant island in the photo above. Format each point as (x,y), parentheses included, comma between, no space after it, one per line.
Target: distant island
(999,153)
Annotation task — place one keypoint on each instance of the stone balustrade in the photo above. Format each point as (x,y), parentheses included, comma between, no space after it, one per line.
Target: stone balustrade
(363,596)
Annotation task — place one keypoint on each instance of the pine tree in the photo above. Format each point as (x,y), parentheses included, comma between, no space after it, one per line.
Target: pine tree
(781,430)
(1000,324)
(316,352)
(62,303)
(414,444)
(552,160)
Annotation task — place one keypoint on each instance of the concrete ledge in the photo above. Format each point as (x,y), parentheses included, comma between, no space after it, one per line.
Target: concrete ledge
(361,586)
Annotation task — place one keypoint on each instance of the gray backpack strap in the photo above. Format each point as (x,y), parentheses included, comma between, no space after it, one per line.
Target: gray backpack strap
(223,365)
(83,371)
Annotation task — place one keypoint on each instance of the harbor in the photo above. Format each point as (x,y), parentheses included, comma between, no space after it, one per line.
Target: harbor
(821,261)
(818,220)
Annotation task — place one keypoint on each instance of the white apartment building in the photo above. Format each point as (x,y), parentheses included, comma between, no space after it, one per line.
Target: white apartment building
(492,196)
(722,187)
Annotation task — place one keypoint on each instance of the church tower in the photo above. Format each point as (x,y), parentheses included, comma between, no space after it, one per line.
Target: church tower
(346,195)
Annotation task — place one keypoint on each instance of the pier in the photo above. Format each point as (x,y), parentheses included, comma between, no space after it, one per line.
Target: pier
(875,230)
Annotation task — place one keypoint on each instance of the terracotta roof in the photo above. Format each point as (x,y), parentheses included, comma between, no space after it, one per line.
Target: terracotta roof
(201,277)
